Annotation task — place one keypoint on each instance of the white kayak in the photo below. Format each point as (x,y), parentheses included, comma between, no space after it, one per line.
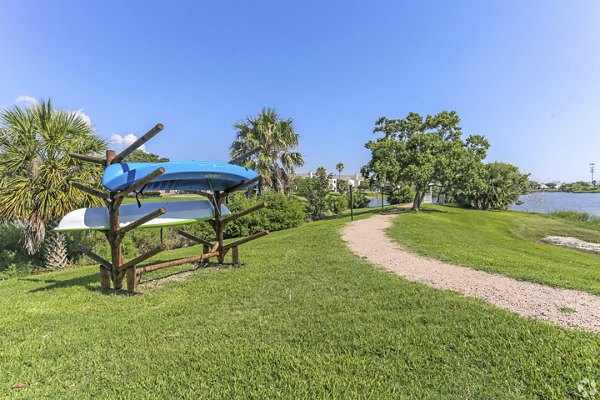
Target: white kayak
(177,213)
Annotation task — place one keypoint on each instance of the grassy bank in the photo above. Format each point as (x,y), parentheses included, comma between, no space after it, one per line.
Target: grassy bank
(304,318)
(503,242)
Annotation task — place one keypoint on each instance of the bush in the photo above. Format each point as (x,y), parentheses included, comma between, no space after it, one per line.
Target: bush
(315,191)
(500,185)
(282,212)
(360,200)
(405,194)
(337,203)
(14,261)
(342,186)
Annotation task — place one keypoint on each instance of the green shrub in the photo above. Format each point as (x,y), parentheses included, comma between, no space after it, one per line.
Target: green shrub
(337,203)
(282,212)
(315,191)
(405,194)
(342,186)
(360,200)
(14,261)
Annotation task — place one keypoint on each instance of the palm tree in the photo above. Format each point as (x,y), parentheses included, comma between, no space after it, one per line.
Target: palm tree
(275,162)
(36,171)
(340,168)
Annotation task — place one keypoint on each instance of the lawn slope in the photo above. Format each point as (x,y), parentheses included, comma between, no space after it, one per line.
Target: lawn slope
(506,242)
(304,318)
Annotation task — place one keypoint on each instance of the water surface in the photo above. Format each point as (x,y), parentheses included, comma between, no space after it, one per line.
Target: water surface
(547,202)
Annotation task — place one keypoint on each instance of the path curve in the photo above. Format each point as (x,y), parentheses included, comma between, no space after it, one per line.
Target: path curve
(367,238)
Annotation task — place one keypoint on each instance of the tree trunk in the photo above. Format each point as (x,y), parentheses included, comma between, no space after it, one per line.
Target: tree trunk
(417,201)
(55,251)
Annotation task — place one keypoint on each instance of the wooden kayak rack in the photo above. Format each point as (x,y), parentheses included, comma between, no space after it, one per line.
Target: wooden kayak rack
(115,270)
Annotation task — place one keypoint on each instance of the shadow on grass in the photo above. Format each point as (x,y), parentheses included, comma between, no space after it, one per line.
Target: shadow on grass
(84,281)
(357,213)
(432,211)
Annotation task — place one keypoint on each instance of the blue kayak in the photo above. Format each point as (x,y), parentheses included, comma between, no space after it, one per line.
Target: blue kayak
(178,175)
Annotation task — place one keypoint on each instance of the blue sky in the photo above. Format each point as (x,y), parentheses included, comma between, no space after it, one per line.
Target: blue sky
(526,74)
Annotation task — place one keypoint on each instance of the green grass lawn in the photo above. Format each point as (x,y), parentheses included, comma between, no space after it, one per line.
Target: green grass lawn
(504,242)
(303,319)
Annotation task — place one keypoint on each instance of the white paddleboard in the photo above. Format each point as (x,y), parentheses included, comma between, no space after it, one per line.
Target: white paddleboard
(178,213)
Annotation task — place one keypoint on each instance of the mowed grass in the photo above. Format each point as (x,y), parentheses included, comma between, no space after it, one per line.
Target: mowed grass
(506,242)
(303,319)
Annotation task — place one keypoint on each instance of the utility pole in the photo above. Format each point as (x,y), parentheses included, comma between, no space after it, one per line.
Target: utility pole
(351,204)
(592,165)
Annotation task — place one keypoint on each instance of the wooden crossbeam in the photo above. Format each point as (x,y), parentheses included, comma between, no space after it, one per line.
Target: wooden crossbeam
(194,238)
(143,220)
(92,159)
(172,263)
(135,145)
(132,263)
(94,256)
(245,212)
(240,159)
(141,182)
(245,240)
(243,184)
(90,190)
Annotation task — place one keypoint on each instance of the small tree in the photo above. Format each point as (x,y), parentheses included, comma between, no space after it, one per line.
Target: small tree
(501,186)
(277,136)
(419,151)
(36,171)
(142,156)
(342,186)
(339,167)
(315,191)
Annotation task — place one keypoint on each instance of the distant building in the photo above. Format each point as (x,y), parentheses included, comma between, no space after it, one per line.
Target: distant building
(354,180)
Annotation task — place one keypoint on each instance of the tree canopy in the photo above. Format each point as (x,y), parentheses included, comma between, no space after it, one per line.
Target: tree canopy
(277,136)
(501,184)
(142,156)
(36,171)
(424,151)
(421,151)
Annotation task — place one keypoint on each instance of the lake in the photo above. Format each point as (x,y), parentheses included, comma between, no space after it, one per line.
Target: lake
(376,202)
(546,202)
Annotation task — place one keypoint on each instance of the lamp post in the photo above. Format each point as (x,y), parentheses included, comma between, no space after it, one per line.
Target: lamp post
(351,203)
(592,165)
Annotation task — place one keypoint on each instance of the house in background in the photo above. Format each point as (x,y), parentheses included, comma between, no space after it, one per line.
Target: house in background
(354,180)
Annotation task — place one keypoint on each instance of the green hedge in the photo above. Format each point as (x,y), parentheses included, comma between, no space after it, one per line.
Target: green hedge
(14,261)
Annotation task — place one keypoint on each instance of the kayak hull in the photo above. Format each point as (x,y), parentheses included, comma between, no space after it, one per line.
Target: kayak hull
(178,175)
(177,213)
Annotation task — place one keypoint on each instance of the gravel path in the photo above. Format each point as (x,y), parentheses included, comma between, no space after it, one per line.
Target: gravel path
(570,308)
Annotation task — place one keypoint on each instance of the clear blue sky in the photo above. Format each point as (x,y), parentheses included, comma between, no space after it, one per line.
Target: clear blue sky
(526,74)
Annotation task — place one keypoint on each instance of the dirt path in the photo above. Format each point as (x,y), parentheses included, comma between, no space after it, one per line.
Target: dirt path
(570,308)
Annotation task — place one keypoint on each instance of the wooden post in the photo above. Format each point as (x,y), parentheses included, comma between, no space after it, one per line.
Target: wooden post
(104,278)
(235,255)
(114,239)
(205,249)
(217,200)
